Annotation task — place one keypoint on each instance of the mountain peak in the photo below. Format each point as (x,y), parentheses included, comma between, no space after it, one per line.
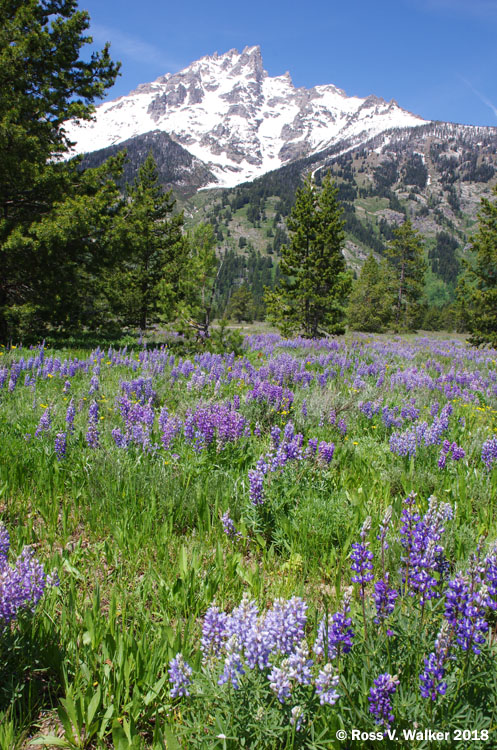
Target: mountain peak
(229,113)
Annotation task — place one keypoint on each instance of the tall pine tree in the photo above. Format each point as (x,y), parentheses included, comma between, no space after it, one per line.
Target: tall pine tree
(314,281)
(149,235)
(477,293)
(199,284)
(43,82)
(371,300)
(406,259)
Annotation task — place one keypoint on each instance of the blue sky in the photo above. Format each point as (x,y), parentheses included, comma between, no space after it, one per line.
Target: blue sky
(436,58)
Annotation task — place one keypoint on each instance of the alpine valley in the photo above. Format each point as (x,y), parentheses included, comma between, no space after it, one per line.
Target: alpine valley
(234,144)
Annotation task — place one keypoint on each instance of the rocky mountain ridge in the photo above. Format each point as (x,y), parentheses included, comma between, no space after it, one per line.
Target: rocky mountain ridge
(230,114)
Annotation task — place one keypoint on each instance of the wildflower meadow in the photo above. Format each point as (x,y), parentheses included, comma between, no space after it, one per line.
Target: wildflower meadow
(290,546)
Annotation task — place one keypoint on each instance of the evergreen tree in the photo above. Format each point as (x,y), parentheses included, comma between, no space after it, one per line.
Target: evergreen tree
(480,285)
(199,284)
(43,82)
(61,260)
(406,259)
(372,299)
(150,237)
(443,258)
(241,305)
(314,280)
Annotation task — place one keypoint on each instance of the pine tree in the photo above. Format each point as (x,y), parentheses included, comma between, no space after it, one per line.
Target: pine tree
(241,305)
(406,259)
(371,300)
(150,237)
(63,258)
(200,284)
(314,281)
(43,82)
(481,278)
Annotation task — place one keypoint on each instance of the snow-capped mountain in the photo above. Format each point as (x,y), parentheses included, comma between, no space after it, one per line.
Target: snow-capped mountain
(239,121)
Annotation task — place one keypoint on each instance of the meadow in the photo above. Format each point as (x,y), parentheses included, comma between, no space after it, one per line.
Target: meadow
(293,546)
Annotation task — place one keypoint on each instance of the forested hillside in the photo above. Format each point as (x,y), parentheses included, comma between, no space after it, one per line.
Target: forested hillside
(434,175)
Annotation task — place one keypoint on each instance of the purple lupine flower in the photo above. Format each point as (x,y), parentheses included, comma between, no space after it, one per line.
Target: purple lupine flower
(434,408)
(213,632)
(44,424)
(431,678)
(256,483)
(120,439)
(67,386)
(292,449)
(297,717)
(337,638)
(326,451)
(15,371)
(297,667)
(61,445)
(450,449)
(285,623)
(189,427)
(473,627)
(92,434)
(384,598)
(299,664)
(380,699)
(232,664)
(229,527)
(312,446)
(259,643)
(288,432)
(404,443)
(326,682)
(361,558)
(4,544)
(342,426)
(3,376)
(465,611)
(489,452)
(279,681)
(419,538)
(275,436)
(180,674)
(456,598)
(490,563)
(170,428)
(70,414)
(389,417)
(94,385)
(242,620)
(304,408)
(21,586)
(163,417)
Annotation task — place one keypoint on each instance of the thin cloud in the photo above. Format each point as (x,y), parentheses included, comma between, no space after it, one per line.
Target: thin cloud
(480,96)
(133,47)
